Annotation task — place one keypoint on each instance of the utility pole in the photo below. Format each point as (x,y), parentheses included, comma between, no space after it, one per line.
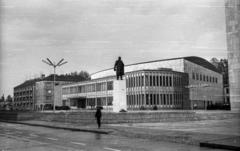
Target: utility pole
(54,66)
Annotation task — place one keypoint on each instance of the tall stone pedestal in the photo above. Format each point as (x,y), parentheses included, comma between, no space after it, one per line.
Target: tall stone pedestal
(119,95)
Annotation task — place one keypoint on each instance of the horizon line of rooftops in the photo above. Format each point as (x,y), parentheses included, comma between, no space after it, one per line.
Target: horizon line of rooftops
(194,59)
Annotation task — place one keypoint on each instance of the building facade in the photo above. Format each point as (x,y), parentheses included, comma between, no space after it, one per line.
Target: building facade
(24,95)
(233,47)
(167,84)
(36,93)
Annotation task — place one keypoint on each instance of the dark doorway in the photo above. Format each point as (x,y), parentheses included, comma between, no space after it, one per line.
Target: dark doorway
(81,103)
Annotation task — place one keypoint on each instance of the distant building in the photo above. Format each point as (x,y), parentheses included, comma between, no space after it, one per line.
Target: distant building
(24,95)
(36,93)
(176,83)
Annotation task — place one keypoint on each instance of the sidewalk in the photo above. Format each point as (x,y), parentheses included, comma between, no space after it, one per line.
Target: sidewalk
(223,134)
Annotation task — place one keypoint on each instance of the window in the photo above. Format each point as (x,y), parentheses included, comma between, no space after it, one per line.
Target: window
(91,102)
(139,81)
(110,101)
(193,75)
(110,85)
(48,98)
(216,80)
(203,77)
(98,86)
(167,81)
(200,77)
(171,99)
(65,91)
(164,81)
(170,81)
(167,102)
(160,80)
(73,103)
(213,79)
(154,81)
(147,99)
(150,80)
(73,90)
(147,81)
(207,78)
(164,99)
(210,79)
(197,76)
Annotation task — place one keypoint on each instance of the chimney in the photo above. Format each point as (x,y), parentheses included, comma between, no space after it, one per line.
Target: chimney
(42,76)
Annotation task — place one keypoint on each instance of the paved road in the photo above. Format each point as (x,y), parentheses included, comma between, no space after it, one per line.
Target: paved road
(29,138)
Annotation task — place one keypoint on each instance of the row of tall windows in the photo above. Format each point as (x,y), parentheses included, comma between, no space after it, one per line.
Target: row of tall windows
(201,77)
(155,99)
(135,81)
(163,81)
(100,101)
(103,86)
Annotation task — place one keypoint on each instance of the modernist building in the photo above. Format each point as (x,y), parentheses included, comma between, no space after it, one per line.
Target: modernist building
(176,83)
(36,93)
(24,95)
(233,47)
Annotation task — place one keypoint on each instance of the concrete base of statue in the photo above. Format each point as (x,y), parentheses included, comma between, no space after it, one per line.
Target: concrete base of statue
(119,95)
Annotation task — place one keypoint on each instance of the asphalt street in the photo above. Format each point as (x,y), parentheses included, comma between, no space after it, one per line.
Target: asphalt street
(29,138)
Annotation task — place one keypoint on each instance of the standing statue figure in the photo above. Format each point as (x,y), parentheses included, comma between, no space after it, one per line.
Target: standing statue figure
(119,68)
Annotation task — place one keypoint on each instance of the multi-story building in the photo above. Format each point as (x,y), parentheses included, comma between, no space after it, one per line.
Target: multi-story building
(177,83)
(24,95)
(36,93)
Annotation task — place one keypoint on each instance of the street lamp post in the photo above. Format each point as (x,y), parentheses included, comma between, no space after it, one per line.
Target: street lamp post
(54,65)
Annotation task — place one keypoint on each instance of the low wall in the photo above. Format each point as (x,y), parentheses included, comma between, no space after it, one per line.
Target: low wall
(17,116)
(217,115)
(111,118)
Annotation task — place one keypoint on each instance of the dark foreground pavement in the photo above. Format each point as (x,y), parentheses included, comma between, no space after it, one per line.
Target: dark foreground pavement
(222,134)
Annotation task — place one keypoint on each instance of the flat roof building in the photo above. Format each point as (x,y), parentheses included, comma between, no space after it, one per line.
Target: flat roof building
(178,83)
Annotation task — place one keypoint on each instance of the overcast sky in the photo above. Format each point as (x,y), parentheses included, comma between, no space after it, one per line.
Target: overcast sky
(91,34)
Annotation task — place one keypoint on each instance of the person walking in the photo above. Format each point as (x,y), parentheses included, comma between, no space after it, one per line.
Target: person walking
(98,116)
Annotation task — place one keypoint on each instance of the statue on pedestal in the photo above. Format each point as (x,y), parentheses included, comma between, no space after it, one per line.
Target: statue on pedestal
(119,68)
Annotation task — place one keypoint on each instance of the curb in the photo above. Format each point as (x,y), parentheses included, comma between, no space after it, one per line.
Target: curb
(174,139)
(219,146)
(59,127)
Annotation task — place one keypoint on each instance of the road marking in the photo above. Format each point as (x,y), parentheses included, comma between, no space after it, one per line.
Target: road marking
(10,133)
(51,138)
(33,135)
(112,149)
(78,143)
(18,132)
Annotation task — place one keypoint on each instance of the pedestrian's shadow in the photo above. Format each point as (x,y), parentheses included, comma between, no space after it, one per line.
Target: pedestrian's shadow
(98,136)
